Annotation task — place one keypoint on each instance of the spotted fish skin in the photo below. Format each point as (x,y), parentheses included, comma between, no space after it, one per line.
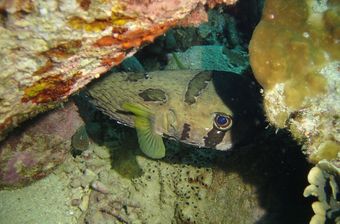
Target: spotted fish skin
(183,103)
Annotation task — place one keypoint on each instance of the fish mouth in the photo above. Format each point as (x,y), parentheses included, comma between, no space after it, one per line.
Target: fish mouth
(214,138)
(219,147)
(224,147)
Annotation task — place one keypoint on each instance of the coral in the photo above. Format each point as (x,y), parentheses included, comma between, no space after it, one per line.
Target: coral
(33,151)
(294,53)
(324,181)
(52,49)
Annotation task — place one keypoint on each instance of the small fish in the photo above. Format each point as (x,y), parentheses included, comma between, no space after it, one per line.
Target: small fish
(185,105)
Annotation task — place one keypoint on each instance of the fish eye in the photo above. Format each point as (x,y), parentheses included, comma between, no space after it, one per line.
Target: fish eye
(223,121)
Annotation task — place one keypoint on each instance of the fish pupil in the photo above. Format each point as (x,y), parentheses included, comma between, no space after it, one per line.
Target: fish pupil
(221,120)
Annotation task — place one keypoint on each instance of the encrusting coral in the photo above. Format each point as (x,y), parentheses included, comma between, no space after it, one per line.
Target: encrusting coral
(325,185)
(295,56)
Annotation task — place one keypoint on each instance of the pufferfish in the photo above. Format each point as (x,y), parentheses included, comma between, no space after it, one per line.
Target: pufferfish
(199,108)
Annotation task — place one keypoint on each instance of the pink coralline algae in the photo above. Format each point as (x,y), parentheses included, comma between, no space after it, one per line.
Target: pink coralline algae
(32,152)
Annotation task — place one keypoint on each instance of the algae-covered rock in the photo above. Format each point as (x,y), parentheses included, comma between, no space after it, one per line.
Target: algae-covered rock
(294,53)
(32,152)
(324,181)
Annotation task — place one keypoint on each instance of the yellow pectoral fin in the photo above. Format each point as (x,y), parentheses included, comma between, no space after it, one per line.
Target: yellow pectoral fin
(138,110)
(150,143)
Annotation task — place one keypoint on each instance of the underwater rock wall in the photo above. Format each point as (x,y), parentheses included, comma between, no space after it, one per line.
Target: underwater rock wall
(51,49)
(295,56)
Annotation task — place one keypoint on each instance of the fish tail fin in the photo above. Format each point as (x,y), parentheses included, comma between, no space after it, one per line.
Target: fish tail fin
(150,143)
